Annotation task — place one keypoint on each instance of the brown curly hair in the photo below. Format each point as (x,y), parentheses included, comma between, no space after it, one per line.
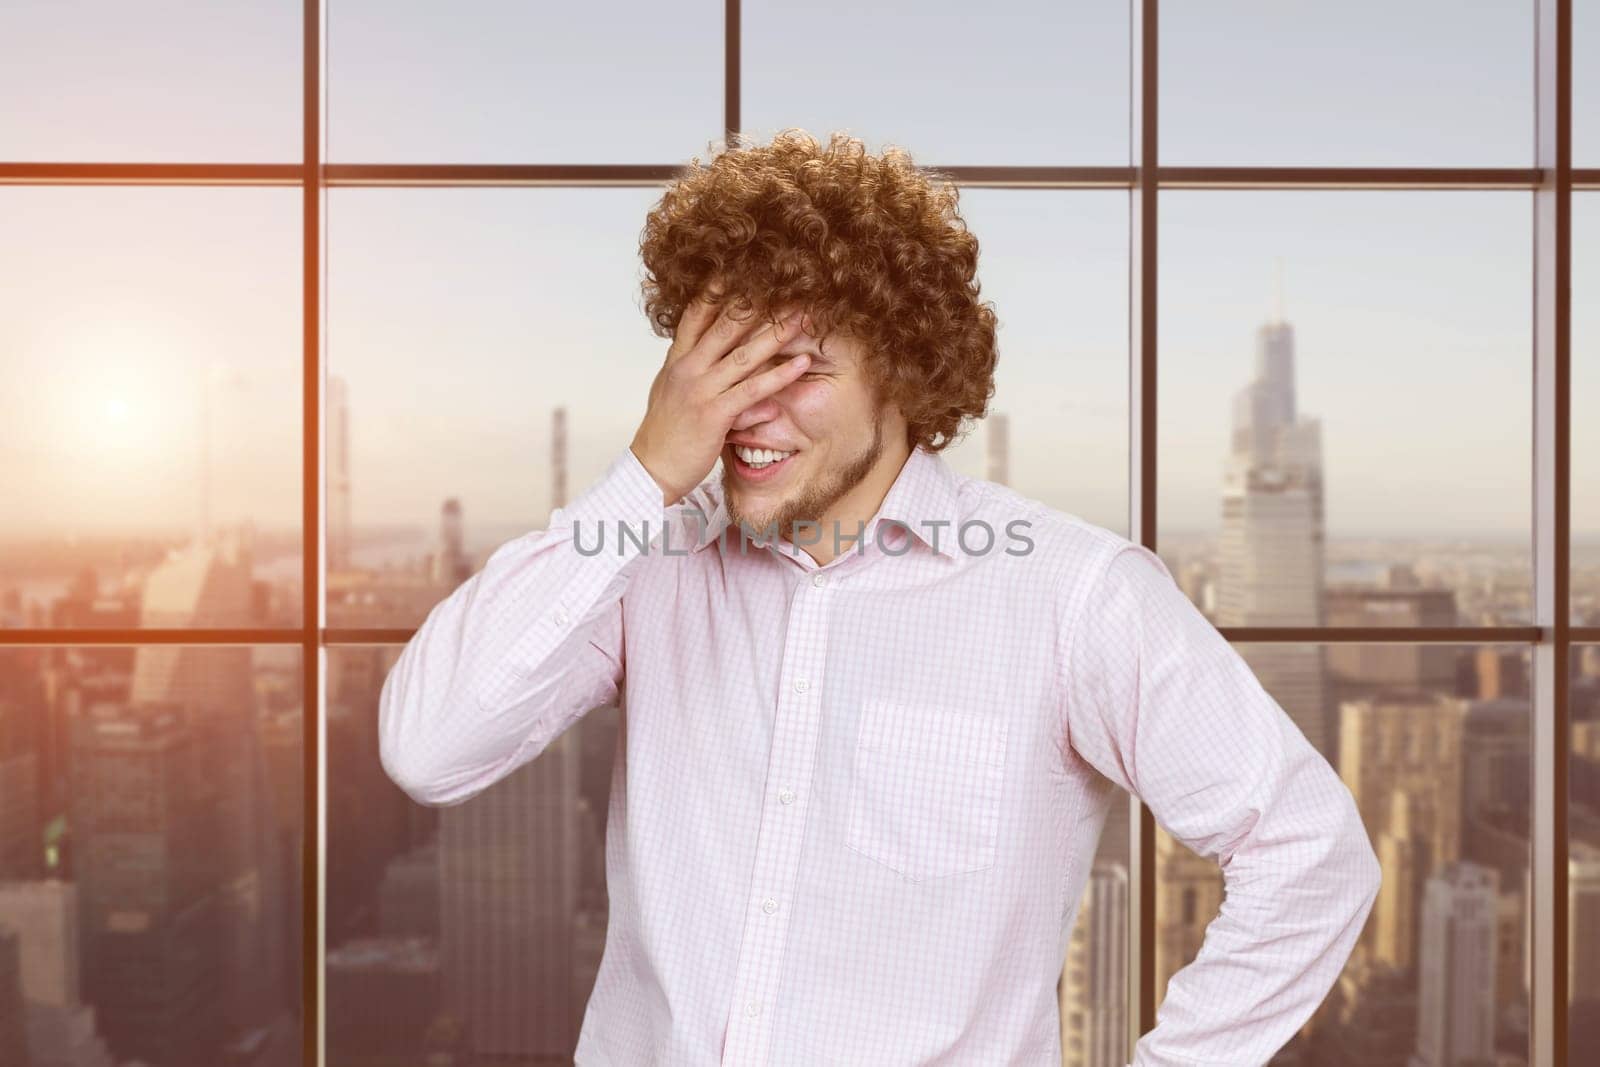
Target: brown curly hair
(870,245)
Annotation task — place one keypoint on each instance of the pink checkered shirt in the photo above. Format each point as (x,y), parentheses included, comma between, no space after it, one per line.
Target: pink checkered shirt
(855,805)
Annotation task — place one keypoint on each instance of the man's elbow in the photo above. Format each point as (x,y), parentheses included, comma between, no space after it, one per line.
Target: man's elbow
(1367,871)
(430,776)
(1373,876)
(412,780)
(395,756)
(422,784)
(404,778)
(409,767)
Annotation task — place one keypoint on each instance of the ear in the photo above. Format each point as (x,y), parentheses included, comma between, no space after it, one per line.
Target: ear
(894,422)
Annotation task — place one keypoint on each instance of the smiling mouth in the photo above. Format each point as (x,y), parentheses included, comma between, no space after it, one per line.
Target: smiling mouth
(757,465)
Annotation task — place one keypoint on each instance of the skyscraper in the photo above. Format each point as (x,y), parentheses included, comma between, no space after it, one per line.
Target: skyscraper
(1270,573)
(202,585)
(558,458)
(1583,923)
(509,874)
(1272,542)
(13,1039)
(42,917)
(140,815)
(1455,1004)
(1188,895)
(451,566)
(1094,983)
(997,447)
(1400,756)
(214,689)
(340,534)
(21,840)
(1404,856)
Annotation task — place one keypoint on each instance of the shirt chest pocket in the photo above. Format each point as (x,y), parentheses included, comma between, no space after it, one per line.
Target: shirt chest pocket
(925,796)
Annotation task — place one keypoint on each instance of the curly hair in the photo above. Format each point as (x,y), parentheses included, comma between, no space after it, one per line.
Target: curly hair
(870,245)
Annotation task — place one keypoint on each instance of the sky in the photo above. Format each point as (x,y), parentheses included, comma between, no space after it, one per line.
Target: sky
(460,317)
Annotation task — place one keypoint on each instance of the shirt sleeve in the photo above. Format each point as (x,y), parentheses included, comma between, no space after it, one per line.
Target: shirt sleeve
(1161,704)
(522,649)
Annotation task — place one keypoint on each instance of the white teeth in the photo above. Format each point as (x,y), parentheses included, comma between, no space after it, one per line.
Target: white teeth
(759,457)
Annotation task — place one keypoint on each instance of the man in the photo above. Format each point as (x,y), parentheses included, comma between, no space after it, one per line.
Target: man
(873,710)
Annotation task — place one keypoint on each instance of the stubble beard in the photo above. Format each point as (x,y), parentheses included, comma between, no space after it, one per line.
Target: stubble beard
(814,498)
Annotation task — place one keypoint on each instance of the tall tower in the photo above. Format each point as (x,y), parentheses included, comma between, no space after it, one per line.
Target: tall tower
(1272,542)
(13,1038)
(21,832)
(1402,855)
(1189,894)
(1270,573)
(207,586)
(1583,926)
(1400,756)
(43,916)
(340,536)
(997,447)
(1455,1008)
(141,799)
(214,689)
(1094,983)
(509,876)
(558,458)
(450,564)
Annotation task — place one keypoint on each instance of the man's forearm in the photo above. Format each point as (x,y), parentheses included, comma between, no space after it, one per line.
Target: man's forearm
(484,684)
(1296,901)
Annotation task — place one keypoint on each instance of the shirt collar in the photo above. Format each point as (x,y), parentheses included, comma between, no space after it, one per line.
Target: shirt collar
(923,497)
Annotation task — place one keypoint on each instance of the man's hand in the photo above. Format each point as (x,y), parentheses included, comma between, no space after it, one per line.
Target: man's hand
(706,381)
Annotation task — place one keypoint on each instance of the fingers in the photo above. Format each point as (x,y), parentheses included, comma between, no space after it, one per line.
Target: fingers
(727,330)
(757,387)
(700,313)
(758,347)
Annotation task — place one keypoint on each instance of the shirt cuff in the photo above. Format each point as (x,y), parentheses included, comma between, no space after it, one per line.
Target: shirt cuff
(625,496)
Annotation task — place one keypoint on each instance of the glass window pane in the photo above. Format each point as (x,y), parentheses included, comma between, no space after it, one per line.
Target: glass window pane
(429,892)
(504,82)
(1585,83)
(1093,988)
(1015,83)
(161,81)
(150,406)
(1585,580)
(1356,449)
(1367,83)
(1433,743)
(459,323)
(151,835)
(1061,386)
(512,304)
(424,899)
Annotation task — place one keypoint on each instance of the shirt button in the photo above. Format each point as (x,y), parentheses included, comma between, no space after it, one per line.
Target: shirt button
(769,905)
(561,617)
(801,685)
(819,580)
(753,1008)
(786,797)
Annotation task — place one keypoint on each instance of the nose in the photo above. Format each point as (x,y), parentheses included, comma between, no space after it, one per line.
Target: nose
(761,411)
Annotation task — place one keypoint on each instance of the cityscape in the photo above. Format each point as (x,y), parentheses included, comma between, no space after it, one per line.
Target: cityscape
(150,822)
(1360,454)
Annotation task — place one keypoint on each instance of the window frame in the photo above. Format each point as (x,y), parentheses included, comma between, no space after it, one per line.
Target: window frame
(1552,636)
